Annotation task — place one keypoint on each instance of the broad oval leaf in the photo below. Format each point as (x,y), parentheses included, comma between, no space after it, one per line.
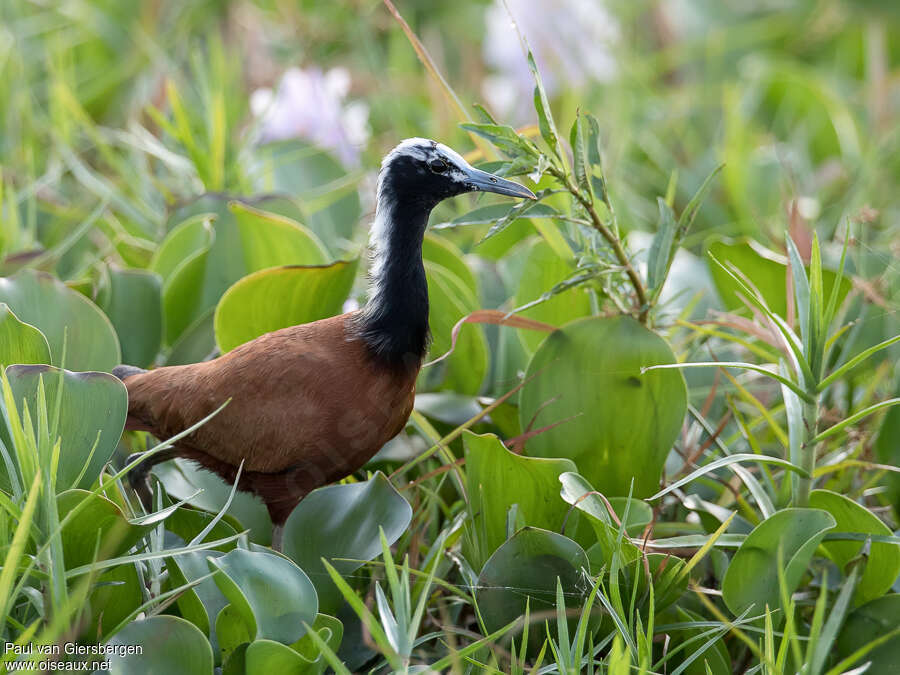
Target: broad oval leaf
(766,269)
(135,308)
(450,300)
(620,424)
(343,521)
(883,564)
(169,645)
(65,317)
(497,479)
(542,270)
(273,595)
(91,418)
(98,528)
(20,342)
(874,620)
(240,240)
(280,297)
(525,570)
(789,537)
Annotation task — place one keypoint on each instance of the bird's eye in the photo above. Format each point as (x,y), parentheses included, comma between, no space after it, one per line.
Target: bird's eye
(438,165)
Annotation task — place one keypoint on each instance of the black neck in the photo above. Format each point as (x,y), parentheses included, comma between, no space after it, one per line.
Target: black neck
(394,322)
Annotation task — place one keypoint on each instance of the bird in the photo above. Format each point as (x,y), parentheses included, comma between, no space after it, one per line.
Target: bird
(310,404)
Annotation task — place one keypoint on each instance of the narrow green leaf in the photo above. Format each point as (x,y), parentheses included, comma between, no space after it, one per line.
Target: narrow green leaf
(853,419)
(661,250)
(725,461)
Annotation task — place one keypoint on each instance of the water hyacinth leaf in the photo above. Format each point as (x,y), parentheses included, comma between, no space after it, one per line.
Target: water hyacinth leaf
(524,571)
(241,239)
(450,300)
(625,422)
(791,536)
(280,297)
(117,593)
(232,632)
(498,479)
(183,292)
(183,240)
(91,418)
(273,595)
(883,564)
(169,645)
(99,527)
(319,183)
(269,239)
(766,269)
(65,317)
(877,619)
(578,492)
(543,269)
(205,490)
(196,343)
(136,311)
(202,603)
(268,656)
(20,342)
(331,632)
(343,521)
(449,256)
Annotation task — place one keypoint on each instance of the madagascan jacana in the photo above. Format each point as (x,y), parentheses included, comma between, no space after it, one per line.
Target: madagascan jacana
(312,403)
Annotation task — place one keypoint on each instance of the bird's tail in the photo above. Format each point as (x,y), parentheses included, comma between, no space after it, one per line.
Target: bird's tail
(124,371)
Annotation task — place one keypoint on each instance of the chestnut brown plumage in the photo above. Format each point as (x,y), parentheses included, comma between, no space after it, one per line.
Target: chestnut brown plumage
(310,404)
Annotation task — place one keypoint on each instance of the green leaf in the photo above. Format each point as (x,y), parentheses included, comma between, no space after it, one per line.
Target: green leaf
(63,316)
(169,645)
(505,138)
(279,297)
(205,490)
(662,249)
(877,619)
(91,418)
(542,107)
(320,185)
(766,269)
(269,239)
(883,564)
(448,255)
(136,311)
(497,479)
(242,240)
(450,300)
(625,422)
(273,595)
(20,342)
(342,521)
(101,521)
(541,270)
(790,535)
(494,212)
(582,169)
(524,572)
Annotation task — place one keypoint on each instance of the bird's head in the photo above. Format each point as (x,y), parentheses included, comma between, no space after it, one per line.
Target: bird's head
(428,172)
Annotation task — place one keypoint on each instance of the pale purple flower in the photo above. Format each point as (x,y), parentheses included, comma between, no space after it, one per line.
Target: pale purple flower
(311,105)
(571,41)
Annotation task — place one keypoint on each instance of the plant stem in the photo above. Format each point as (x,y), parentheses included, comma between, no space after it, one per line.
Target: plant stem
(808,451)
(642,305)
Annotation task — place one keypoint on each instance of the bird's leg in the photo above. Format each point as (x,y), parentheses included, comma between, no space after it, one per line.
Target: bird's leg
(139,476)
(278,537)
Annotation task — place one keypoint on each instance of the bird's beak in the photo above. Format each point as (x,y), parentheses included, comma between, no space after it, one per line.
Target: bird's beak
(487,182)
